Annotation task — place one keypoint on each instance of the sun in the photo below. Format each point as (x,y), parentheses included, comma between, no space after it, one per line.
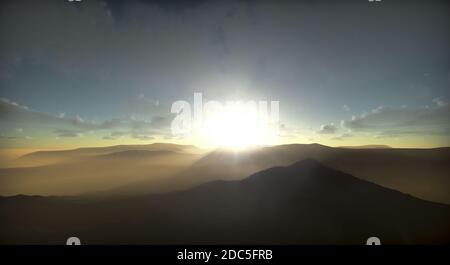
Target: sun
(237,127)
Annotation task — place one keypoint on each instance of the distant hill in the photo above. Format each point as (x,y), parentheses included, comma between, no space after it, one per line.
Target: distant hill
(423,173)
(156,168)
(304,203)
(41,158)
(373,146)
(137,154)
(94,170)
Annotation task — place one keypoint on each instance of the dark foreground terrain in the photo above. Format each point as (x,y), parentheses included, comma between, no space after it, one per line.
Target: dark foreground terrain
(160,168)
(304,203)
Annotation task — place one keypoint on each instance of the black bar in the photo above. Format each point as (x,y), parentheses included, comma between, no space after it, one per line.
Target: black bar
(280,254)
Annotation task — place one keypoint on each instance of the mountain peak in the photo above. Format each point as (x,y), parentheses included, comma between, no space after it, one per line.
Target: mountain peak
(310,178)
(305,171)
(308,162)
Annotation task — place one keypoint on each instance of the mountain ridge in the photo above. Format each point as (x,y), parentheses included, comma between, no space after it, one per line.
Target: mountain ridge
(304,203)
(422,173)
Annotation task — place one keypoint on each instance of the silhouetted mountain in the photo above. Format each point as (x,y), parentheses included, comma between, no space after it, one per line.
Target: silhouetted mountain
(95,170)
(304,203)
(368,146)
(143,169)
(51,157)
(137,154)
(422,173)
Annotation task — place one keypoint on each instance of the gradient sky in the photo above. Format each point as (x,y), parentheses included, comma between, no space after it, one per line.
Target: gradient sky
(101,73)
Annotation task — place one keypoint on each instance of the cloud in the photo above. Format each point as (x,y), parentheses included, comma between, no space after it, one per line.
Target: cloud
(294,132)
(14,115)
(142,105)
(14,137)
(346,108)
(400,133)
(439,102)
(385,117)
(142,137)
(118,10)
(327,129)
(342,136)
(62,133)
(403,120)
(118,134)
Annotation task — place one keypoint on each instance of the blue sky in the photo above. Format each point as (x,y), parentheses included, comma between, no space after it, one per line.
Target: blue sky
(98,61)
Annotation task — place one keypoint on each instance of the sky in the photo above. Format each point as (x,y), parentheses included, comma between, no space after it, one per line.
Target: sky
(104,72)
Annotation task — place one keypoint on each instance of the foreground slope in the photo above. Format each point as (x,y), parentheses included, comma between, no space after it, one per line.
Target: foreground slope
(423,173)
(157,168)
(304,203)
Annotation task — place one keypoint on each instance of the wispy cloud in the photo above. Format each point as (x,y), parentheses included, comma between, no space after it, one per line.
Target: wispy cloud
(389,121)
(139,135)
(13,115)
(346,108)
(342,136)
(327,129)
(383,118)
(62,133)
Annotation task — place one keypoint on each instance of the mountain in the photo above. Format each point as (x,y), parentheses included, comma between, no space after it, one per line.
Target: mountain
(41,158)
(423,173)
(138,154)
(94,170)
(157,168)
(382,146)
(303,203)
